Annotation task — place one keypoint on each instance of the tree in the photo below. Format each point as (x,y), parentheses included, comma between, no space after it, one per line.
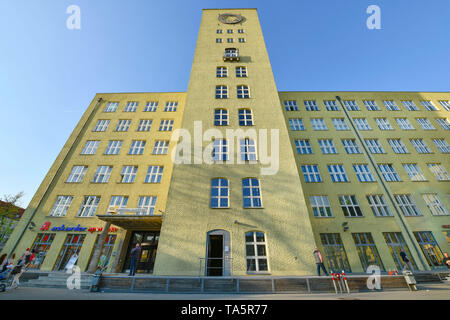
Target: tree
(9,205)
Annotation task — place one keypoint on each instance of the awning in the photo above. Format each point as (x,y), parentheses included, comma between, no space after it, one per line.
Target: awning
(133,222)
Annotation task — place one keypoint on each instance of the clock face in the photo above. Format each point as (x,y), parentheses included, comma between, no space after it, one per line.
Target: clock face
(230,18)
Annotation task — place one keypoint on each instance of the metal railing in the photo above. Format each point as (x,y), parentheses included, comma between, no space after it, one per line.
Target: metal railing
(207,266)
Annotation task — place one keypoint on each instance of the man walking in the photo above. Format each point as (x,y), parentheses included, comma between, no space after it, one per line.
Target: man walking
(134,256)
(406,261)
(319,262)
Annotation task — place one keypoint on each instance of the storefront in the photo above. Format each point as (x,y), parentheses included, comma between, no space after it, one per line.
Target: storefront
(148,240)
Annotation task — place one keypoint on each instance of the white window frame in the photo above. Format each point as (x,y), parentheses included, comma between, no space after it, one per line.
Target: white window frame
(90,147)
(77,174)
(154,174)
(151,106)
(102,174)
(414,172)
(61,206)
(137,147)
(113,147)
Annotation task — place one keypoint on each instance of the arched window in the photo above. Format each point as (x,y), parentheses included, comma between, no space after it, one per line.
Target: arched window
(219,193)
(256,253)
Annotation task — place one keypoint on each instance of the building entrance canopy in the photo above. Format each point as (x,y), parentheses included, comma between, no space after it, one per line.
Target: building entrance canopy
(132,219)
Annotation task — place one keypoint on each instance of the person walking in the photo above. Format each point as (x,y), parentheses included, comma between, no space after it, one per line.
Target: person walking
(319,262)
(446,260)
(406,261)
(134,255)
(6,267)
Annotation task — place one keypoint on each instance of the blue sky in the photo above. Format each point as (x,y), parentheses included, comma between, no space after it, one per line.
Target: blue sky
(49,74)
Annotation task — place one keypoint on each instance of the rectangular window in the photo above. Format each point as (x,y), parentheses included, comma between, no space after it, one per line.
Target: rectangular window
(335,252)
(221,72)
(443,122)
(128,174)
(351,105)
(219,193)
(77,174)
(428,105)
(147,203)
(388,172)
(123,125)
(331,105)
(102,174)
(61,206)
(445,104)
(90,147)
(391,105)
(230,40)
(367,251)
(218,40)
(219,31)
(171,106)
(378,205)
(255,252)
(374,146)
(166,125)
(248,150)
(221,117)
(221,92)
(410,106)
(251,192)
(414,172)
(88,206)
(151,106)
(397,146)
(383,124)
(318,124)
(113,147)
(243,92)
(101,125)
(435,205)
(118,201)
(327,146)
(303,147)
(145,125)
(420,146)
(111,107)
(430,248)
(337,173)
(350,206)
(361,124)
(161,147)
(320,206)
(311,173)
(442,145)
(340,124)
(290,105)
(246,117)
(439,171)
(154,174)
(350,146)
(241,72)
(311,105)
(220,150)
(131,106)
(241,40)
(296,124)
(407,205)
(371,105)
(425,124)
(396,244)
(363,173)
(137,147)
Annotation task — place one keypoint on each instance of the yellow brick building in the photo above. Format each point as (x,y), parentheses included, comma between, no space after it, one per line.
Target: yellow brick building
(360,175)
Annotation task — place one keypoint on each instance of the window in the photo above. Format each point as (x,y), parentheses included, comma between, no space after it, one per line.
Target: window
(111,107)
(229,31)
(351,105)
(243,92)
(396,244)
(388,172)
(248,150)
(77,174)
(435,205)
(88,206)
(101,125)
(296,124)
(371,105)
(90,147)
(131,106)
(425,124)
(256,255)
(123,125)
(335,252)
(290,105)
(220,150)
(145,125)
(398,146)
(445,104)
(414,172)
(439,171)
(443,122)
(320,206)
(251,193)
(137,147)
(230,40)
(219,193)
(391,105)
(61,206)
(303,147)
(151,106)
(311,105)
(147,203)
(113,147)
(383,124)
(118,201)
(311,173)
(241,40)
(430,248)
(340,124)
(240,30)
(350,206)
(221,72)
(245,117)
(337,173)
(442,145)
(428,105)
(404,124)
(318,124)
(327,146)
(219,31)
(102,174)
(128,174)
(361,124)
(161,147)
(367,251)
(420,146)
(221,92)
(410,106)
(374,146)
(220,117)
(350,146)
(331,105)
(218,40)
(407,205)
(154,174)
(171,106)
(166,125)
(363,173)
(241,72)
(378,205)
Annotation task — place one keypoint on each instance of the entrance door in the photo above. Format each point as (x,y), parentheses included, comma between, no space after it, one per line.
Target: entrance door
(149,245)
(218,249)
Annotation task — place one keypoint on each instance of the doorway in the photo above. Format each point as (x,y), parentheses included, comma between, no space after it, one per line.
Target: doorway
(218,253)
(149,245)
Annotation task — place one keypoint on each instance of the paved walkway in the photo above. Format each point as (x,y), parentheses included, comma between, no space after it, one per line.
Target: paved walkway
(426,292)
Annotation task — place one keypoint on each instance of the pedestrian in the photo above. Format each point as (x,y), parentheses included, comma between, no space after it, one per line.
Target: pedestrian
(3,260)
(446,260)
(25,257)
(7,266)
(319,262)
(134,256)
(406,261)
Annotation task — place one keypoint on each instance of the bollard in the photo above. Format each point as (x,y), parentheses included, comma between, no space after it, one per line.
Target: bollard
(396,273)
(339,281)
(345,281)
(334,283)
(390,272)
